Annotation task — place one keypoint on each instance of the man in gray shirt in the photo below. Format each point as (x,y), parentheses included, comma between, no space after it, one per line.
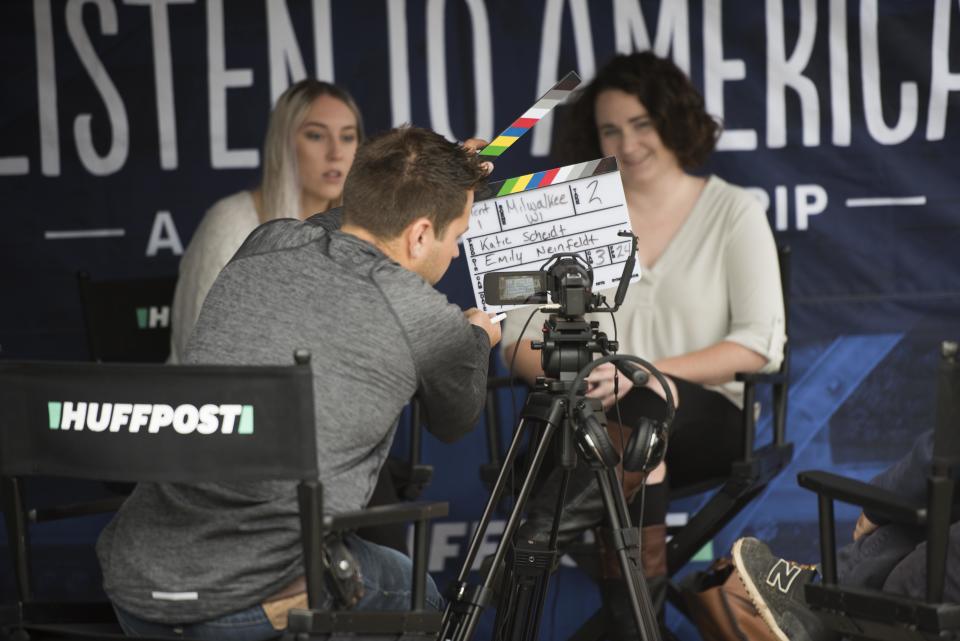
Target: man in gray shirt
(354,286)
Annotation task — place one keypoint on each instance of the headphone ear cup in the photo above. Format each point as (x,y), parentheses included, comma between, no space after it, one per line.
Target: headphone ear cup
(637,451)
(597,440)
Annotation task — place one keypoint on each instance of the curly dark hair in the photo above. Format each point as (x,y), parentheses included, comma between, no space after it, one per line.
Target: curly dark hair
(674,104)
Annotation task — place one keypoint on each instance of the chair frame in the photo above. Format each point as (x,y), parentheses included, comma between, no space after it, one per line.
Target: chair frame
(28,613)
(91,291)
(873,614)
(748,476)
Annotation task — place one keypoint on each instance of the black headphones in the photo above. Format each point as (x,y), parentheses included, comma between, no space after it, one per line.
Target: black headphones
(647,445)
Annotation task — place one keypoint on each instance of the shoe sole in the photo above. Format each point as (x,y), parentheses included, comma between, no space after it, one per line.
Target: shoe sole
(754,594)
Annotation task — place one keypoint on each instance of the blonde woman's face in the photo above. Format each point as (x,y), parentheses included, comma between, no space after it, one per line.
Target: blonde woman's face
(326,144)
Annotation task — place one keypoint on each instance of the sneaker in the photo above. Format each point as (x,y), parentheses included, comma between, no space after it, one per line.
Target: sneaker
(775,586)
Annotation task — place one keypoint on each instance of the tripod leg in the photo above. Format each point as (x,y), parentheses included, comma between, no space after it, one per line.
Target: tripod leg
(474,604)
(474,546)
(485,592)
(624,536)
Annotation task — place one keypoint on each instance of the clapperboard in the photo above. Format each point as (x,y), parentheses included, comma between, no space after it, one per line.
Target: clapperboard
(521,223)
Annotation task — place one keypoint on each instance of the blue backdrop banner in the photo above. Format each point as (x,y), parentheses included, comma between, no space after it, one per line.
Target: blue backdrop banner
(123,121)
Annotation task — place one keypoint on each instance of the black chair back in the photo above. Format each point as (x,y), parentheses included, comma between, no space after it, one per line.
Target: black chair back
(151,422)
(872,614)
(127,320)
(145,422)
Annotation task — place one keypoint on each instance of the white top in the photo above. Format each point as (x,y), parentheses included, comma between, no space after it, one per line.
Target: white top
(221,232)
(717,280)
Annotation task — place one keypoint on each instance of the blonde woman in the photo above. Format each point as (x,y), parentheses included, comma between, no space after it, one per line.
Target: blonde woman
(313,135)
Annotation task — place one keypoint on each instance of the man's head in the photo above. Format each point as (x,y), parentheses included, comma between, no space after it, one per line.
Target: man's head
(410,192)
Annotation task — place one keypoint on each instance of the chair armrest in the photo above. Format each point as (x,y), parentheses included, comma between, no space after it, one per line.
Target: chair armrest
(98,506)
(756,377)
(869,497)
(385,514)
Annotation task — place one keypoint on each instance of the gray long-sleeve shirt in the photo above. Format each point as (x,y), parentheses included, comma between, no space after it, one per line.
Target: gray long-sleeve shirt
(378,333)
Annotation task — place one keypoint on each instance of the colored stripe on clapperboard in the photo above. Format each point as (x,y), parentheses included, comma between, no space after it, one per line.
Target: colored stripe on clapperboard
(532,116)
(549,177)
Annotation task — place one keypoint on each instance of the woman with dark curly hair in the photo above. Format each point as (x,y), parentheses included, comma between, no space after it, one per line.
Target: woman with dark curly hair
(709,303)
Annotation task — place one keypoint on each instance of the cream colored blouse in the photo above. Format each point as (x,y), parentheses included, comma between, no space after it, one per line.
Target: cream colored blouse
(717,280)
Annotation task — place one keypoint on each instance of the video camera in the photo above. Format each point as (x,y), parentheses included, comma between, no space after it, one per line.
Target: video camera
(565,280)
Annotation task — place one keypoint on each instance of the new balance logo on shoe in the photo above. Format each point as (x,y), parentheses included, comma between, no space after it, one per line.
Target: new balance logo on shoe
(782,575)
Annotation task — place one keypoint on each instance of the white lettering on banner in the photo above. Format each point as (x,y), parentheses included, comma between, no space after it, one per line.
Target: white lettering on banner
(219,79)
(323,40)
(548,72)
(116,113)
(46,89)
(942,82)
(716,71)
(673,30)
(437,69)
(441,547)
(808,200)
(447,542)
(163,77)
(284,52)
(163,235)
(872,95)
(399,65)
(792,39)
(839,73)
(784,71)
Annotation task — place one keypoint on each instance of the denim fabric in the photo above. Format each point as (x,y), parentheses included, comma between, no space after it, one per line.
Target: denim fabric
(386,573)
(868,562)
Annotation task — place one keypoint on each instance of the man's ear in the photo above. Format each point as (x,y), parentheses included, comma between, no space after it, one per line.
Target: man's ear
(418,234)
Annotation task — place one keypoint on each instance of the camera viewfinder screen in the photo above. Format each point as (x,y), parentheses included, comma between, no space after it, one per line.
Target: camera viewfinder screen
(518,289)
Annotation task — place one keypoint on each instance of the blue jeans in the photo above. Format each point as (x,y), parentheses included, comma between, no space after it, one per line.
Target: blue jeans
(894,559)
(387,586)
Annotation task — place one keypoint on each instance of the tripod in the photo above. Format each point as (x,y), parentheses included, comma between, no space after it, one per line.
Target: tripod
(557,408)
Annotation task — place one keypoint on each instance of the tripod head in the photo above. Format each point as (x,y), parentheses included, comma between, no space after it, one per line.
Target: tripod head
(569,341)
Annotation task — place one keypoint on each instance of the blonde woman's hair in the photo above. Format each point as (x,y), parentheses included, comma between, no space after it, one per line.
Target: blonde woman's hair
(280,186)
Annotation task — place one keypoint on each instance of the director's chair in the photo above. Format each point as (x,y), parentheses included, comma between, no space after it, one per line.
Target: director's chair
(871,614)
(748,476)
(272,438)
(127,320)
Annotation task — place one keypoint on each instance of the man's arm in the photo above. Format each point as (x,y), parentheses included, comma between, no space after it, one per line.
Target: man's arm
(453,372)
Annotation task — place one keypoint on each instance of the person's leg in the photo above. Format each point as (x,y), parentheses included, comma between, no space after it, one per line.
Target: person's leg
(250,624)
(909,576)
(775,587)
(387,577)
(868,561)
(704,439)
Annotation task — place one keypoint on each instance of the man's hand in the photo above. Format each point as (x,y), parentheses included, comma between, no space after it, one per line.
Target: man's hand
(476,144)
(864,526)
(482,320)
(600,385)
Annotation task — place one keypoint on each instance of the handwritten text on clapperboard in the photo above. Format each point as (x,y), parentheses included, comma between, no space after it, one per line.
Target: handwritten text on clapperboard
(580,210)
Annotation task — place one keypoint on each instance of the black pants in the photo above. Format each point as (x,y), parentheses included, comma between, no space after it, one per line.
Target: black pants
(705,439)
(706,435)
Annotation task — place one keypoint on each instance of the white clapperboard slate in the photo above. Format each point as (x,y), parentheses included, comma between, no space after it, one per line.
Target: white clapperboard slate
(521,223)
